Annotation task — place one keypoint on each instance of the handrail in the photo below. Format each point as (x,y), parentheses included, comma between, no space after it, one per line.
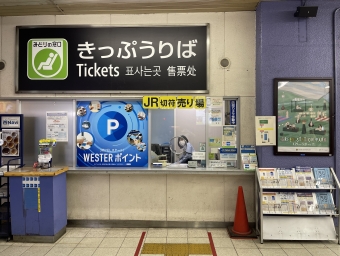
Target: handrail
(335,177)
(258,177)
(20,165)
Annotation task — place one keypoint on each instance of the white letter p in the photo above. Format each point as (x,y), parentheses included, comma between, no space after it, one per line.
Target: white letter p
(110,127)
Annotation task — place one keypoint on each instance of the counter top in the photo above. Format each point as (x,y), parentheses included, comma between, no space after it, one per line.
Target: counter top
(159,170)
(30,171)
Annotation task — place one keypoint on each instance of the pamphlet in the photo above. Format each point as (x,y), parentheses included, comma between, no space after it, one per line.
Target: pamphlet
(288,202)
(297,203)
(271,202)
(249,167)
(325,202)
(245,158)
(304,176)
(229,133)
(248,157)
(268,177)
(323,177)
(306,203)
(253,158)
(247,149)
(286,177)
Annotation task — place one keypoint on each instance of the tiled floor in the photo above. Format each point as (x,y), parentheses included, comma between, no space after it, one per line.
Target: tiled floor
(124,242)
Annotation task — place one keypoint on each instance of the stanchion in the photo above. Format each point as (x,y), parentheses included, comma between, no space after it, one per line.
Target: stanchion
(241,227)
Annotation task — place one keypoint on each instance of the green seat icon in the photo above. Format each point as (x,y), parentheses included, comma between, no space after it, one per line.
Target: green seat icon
(48,64)
(47,59)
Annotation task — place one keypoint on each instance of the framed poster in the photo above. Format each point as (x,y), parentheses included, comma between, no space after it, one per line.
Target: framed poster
(112,134)
(305,116)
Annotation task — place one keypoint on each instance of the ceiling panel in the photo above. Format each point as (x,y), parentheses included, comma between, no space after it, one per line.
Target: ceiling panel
(69,7)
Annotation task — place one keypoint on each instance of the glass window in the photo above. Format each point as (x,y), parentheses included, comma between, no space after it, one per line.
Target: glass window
(210,135)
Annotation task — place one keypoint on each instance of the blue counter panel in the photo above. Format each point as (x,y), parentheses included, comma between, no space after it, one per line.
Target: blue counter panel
(46,202)
(52,218)
(17,206)
(60,202)
(30,198)
(53,204)
(32,222)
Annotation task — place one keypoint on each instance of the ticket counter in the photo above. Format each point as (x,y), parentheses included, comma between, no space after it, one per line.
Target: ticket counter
(38,203)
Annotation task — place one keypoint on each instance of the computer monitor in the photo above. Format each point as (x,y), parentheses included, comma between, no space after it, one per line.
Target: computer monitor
(156,148)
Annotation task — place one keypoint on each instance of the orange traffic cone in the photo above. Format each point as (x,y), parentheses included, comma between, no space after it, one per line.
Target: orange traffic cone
(241,225)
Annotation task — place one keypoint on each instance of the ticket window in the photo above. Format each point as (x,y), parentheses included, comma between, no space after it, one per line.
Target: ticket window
(213,132)
(170,124)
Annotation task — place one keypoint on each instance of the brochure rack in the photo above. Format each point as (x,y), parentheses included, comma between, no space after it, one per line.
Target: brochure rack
(293,221)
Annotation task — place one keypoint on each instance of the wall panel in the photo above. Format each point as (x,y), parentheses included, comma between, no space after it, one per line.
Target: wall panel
(35,129)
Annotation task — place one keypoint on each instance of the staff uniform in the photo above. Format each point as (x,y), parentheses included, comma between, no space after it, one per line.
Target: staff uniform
(187,154)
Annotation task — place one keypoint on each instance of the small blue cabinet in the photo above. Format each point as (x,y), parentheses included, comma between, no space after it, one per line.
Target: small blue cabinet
(38,204)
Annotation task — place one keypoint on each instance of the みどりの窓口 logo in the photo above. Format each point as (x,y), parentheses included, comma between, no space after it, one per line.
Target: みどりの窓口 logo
(47,59)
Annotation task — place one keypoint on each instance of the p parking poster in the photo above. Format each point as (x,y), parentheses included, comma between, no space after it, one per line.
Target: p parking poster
(112,134)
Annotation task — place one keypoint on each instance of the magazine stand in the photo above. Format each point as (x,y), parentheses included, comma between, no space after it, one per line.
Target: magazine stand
(316,224)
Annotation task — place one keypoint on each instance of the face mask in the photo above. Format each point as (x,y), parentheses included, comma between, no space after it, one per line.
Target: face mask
(182,143)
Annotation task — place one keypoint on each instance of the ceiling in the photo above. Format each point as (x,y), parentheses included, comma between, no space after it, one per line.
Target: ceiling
(73,7)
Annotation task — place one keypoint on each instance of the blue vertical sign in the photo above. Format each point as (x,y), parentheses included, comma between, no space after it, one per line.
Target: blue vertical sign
(233,112)
(112,134)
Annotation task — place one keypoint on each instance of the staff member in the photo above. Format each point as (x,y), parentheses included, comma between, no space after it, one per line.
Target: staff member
(184,144)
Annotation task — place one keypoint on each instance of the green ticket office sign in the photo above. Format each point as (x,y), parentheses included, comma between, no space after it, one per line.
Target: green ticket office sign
(305,116)
(108,59)
(47,59)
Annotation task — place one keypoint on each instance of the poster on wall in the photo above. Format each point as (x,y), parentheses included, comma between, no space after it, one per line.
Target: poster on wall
(265,130)
(215,110)
(57,125)
(200,116)
(229,136)
(215,116)
(112,134)
(215,102)
(304,110)
(8,107)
